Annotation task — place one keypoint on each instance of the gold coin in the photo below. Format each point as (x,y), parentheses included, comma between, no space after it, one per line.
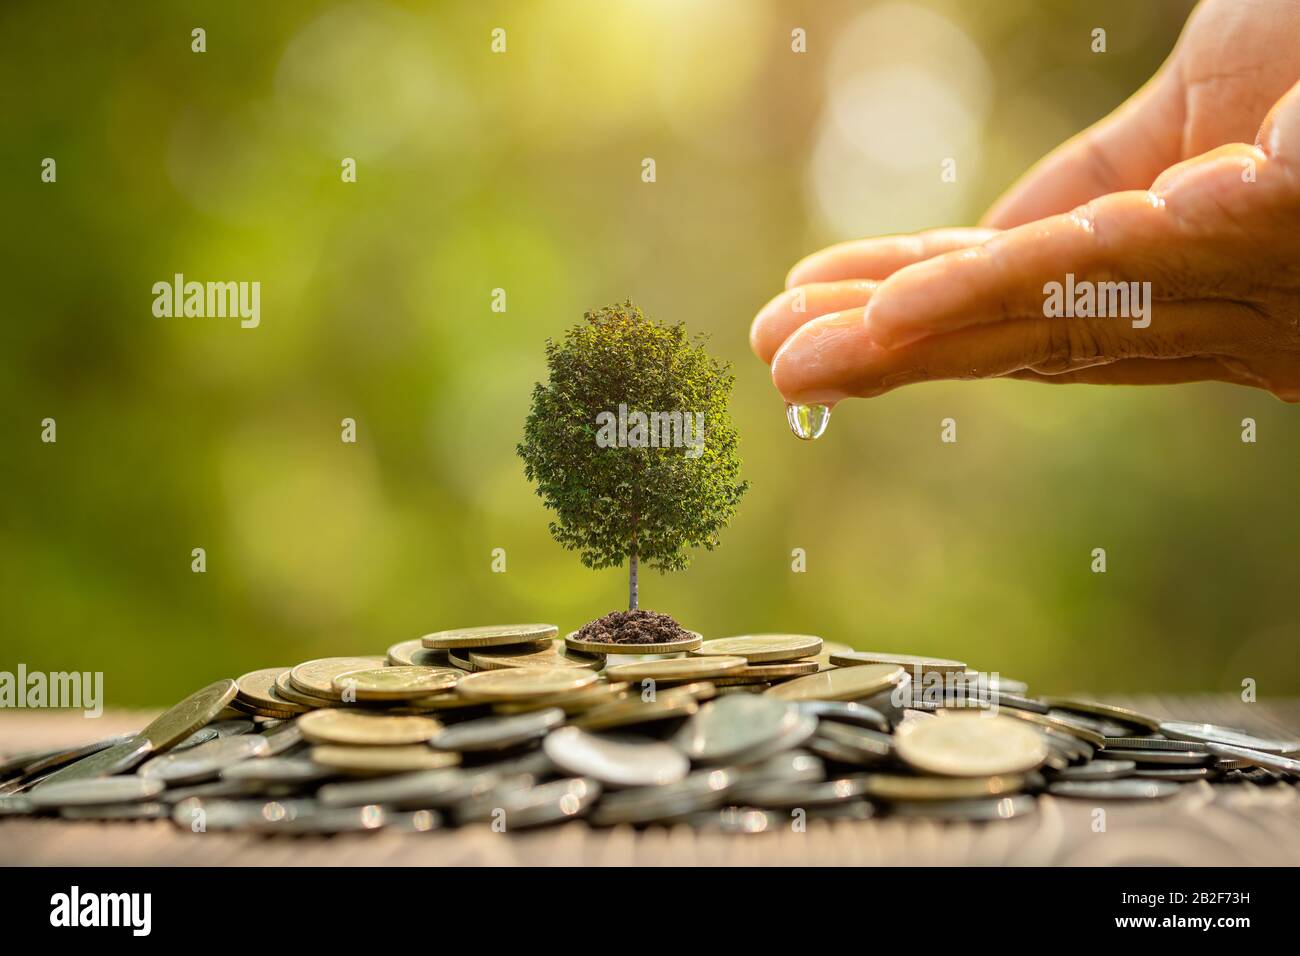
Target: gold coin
(742,679)
(317,677)
(676,669)
(842,683)
(571,702)
(197,710)
(700,690)
(545,654)
(350,727)
(492,635)
(459,658)
(382,760)
(474,659)
(823,657)
(926,665)
(248,710)
(779,671)
(396,683)
(284,688)
(522,683)
(1092,708)
(764,648)
(966,744)
(1048,722)
(434,703)
(257,691)
(413,653)
(574,643)
(893,787)
(675,702)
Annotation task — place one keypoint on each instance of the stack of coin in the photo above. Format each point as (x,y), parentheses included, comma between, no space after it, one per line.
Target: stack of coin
(767,659)
(506,725)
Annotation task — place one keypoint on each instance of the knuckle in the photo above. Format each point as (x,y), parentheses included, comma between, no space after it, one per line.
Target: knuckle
(1071,345)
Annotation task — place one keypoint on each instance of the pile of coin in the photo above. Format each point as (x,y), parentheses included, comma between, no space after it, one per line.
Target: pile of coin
(512,727)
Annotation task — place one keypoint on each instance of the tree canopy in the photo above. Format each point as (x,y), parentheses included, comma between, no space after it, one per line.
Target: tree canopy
(612,503)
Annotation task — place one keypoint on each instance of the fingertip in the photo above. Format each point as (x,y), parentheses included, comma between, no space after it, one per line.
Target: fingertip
(761,338)
(1279,135)
(825,360)
(902,309)
(805,270)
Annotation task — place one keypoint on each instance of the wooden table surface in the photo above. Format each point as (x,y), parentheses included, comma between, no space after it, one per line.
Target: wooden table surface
(1205,824)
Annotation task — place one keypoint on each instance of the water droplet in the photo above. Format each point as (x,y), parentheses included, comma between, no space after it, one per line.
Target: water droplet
(808,421)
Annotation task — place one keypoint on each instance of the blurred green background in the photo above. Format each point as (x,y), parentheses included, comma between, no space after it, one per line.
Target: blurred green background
(523,171)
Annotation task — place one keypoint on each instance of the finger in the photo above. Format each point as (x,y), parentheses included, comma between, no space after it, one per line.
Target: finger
(1124,151)
(1033,270)
(792,308)
(1144,371)
(837,357)
(1279,136)
(880,257)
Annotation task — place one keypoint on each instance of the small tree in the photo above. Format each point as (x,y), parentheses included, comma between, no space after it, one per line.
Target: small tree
(631,500)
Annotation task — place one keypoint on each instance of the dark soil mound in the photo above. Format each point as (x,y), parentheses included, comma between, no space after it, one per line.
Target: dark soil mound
(634,627)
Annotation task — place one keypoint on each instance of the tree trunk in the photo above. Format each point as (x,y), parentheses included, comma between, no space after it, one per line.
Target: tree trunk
(632,567)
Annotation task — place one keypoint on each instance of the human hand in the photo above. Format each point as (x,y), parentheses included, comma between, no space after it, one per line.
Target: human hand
(1215,236)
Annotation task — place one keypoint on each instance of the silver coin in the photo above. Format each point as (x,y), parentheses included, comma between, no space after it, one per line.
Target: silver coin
(1178,774)
(533,763)
(1153,743)
(282,738)
(498,733)
(1127,789)
(271,770)
(791,765)
(894,702)
(1214,734)
(104,763)
(855,810)
(984,810)
(743,727)
(1255,775)
(1256,758)
(427,789)
(309,817)
(201,816)
(616,760)
(1014,701)
(1097,770)
(1105,726)
(851,745)
(127,789)
(151,810)
(702,790)
(845,712)
(1173,758)
(200,736)
(781,794)
(741,820)
(523,807)
(15,764)
(1005,685)
(413,821)
(232,728)
(15,806)
(214,790)
(59,758)
(205,761)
